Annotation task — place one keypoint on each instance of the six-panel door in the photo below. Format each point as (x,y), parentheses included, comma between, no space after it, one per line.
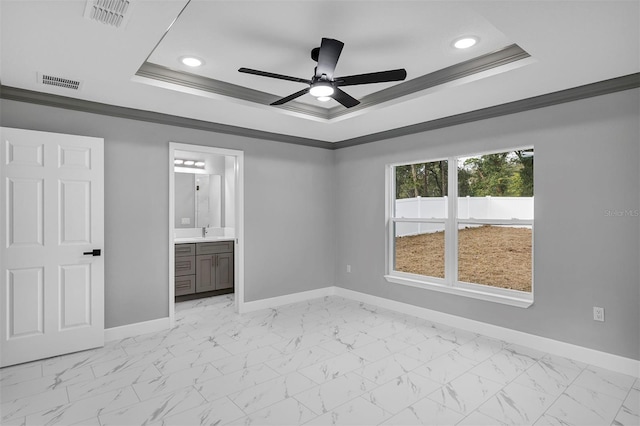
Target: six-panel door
(52,196)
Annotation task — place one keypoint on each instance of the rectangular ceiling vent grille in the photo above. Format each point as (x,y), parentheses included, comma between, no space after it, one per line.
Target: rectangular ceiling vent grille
(65,83)
(109,12)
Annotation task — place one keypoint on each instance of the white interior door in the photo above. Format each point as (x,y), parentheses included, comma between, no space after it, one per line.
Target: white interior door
(52,291)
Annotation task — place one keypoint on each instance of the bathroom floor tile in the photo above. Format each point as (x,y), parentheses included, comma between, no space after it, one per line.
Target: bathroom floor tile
(181,379)
(629,413)
(333,367)
(235,382)
(324,361)
(401,392)
(358,411)
(21,407)
(517,405)
(603,381)
(465,393)
(425,412)
(504,366)
(580,406)
(155,409)
(446,367)
(84,409)
(331,394)
(268,393)
(218,412)
(388,368)
(288,412)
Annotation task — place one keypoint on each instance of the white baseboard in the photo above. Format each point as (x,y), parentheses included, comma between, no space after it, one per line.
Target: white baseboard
(579,353)
(272,302)
(130,330)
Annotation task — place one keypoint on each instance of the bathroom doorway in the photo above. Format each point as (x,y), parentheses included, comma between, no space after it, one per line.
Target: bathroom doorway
(209,206)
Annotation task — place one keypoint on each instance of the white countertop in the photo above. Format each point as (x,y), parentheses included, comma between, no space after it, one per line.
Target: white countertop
(207,239)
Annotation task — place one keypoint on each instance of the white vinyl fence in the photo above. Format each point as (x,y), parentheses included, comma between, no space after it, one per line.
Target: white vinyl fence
(468,208)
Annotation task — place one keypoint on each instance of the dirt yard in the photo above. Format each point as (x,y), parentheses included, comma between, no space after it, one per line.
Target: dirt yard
(491,255)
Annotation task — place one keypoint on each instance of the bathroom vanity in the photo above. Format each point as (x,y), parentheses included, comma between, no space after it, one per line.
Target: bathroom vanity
(204,231)
(203,269)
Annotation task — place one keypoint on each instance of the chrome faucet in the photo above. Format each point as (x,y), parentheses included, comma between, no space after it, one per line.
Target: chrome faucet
(204,231)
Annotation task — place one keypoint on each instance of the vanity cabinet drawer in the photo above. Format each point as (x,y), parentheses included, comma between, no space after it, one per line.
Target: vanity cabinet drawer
(213,248)
(185,285)
(185,265)
(185,250)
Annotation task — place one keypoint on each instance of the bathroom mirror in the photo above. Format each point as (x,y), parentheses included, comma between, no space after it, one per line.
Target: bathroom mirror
(198,200)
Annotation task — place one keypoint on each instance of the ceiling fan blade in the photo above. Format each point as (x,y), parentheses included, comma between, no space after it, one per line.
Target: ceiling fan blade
(373,77)
(330,50)
(344,98)
(290,97)
(273,75)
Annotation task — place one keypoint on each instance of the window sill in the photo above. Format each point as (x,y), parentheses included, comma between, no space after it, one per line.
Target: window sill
(519,301)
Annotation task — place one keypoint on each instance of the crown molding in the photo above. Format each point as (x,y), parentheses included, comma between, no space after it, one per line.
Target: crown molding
(464,70)
(158,75)
(478,67)
(30,96)
(627,82)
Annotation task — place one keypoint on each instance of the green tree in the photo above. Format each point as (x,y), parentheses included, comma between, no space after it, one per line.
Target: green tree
(499,175)
(422,180)
(506,174)
(526,172)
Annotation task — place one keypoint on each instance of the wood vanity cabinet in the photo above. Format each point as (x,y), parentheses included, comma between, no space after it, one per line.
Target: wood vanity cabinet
(203,267)
(185,269)
(214,266)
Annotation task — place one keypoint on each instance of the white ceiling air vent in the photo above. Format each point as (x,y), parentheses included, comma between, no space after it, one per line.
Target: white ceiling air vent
(110,12)
(66,83)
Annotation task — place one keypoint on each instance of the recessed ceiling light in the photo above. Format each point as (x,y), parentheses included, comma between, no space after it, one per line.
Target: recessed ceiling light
(465,42)
(191,61)
(323,98)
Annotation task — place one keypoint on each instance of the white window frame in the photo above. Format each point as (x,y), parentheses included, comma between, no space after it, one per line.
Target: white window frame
(450,284)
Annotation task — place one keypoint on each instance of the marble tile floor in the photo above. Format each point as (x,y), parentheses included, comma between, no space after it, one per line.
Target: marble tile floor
(322,362)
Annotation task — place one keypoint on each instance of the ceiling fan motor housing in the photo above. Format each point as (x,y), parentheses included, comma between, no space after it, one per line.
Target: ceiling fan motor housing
(314,53)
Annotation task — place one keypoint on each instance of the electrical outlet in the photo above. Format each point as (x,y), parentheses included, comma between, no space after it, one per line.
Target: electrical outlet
(349,269)
(598,314)
(185,221)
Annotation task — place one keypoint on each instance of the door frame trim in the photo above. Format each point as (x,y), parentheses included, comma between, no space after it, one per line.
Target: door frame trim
(239,220)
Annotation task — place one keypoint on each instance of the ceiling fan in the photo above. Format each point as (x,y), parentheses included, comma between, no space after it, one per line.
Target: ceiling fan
(323,85)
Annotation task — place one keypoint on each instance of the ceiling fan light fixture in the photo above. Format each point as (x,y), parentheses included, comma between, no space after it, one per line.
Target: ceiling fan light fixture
(191,61)
(465,42)
(321,90)
(323,85)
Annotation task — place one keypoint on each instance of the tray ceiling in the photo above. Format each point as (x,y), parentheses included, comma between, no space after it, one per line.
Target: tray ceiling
(555,46)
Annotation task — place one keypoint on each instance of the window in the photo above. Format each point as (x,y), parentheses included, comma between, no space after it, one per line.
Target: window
(464,225)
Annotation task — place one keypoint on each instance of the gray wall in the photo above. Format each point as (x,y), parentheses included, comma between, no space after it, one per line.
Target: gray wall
(185,200)
(287,249)
(587,162)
